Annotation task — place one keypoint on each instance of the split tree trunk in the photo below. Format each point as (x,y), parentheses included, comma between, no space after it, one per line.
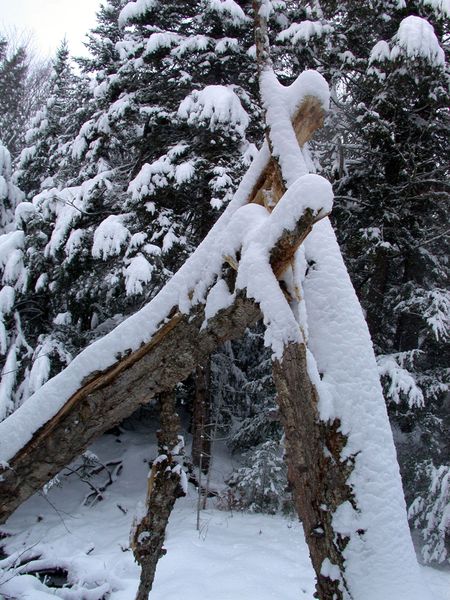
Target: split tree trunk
(164,487)
(108,397)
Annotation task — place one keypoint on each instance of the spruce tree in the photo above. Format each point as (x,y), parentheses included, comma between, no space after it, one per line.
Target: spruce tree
(13,90)
(117,203)
(39,160)
(388,128)
(23,88)
(10,195)
(30,342)
(12,280)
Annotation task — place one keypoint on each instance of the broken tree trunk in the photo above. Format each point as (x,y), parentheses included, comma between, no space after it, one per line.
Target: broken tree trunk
(165,485)
(316,473)
(339,448)
(113,394)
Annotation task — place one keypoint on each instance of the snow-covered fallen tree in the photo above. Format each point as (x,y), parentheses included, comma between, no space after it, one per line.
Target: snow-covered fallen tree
(161,344)
(339,449)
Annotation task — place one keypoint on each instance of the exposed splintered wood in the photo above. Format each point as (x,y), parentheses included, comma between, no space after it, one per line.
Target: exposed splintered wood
(164,487)
(316,473)
(270,187)
(308,117)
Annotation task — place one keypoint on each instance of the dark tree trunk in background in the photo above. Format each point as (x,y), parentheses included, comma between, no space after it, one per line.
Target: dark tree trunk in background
(376,293)
(201,418)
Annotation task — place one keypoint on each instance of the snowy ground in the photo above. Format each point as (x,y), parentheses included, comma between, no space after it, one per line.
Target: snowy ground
(235,556)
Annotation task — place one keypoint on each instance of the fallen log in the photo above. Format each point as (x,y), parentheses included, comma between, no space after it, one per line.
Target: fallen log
(111,395)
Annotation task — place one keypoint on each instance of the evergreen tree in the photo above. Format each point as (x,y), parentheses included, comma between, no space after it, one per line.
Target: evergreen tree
(13,74)
(11,268)
(28,363)
(389,162)
(117,203)
(10,195)
(40,159)
(23,89)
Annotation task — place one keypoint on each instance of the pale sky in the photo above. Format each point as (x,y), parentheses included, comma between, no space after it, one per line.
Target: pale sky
(49,21)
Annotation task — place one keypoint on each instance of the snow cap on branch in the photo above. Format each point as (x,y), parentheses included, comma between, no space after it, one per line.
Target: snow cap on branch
(230,9)
(281,103)
(214,106)
(135,9)
(415,39)
(441,8)
(299,33)
(261,231)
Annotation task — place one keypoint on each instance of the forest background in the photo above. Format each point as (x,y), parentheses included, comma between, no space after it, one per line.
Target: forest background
(118,167)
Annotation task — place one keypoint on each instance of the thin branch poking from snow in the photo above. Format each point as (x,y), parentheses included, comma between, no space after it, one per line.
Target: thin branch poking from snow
(58,512)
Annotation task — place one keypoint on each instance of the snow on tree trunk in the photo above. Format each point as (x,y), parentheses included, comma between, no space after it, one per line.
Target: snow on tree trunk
(379,559)
(10,195)
(339,448)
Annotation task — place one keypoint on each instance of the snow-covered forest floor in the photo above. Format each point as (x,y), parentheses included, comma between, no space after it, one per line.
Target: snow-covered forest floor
(234,555)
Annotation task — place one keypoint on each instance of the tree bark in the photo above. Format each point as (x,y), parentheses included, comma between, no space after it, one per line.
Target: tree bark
(164,487)
(316,472)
